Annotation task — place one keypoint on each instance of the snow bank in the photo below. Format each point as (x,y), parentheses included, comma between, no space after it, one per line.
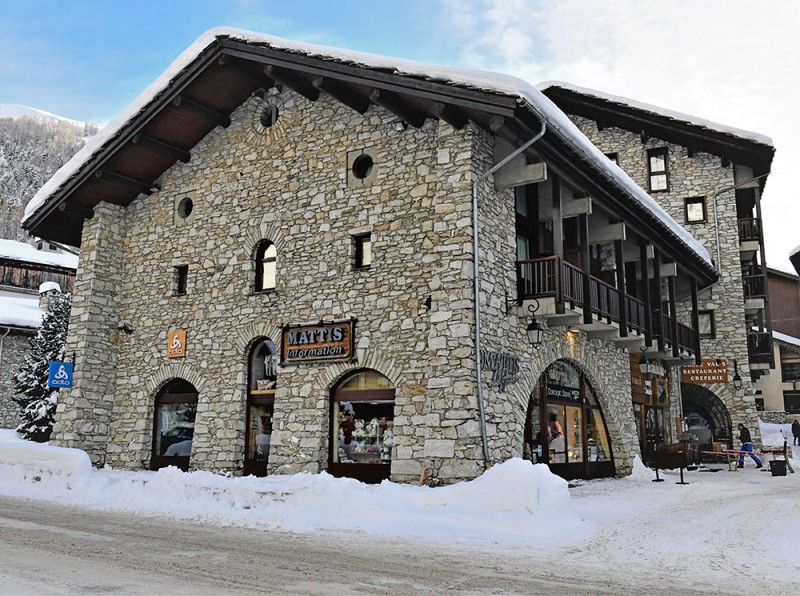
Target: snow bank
(511,501)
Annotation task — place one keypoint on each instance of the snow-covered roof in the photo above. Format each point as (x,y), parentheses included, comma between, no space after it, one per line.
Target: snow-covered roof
(787,339)
(662,112)
(20,310)
(495,83)
(20,251)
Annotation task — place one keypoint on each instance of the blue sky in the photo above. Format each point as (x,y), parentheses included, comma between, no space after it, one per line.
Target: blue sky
(728,61)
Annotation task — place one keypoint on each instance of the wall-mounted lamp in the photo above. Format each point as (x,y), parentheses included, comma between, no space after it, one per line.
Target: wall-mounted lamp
(645,366)
(737,380)
(126,327)
(534,330)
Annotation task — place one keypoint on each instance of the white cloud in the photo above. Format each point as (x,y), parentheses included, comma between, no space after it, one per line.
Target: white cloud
(730,61)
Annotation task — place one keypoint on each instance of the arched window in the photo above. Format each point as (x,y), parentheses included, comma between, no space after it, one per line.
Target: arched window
(266,266)
(262,377)
(173,425)
(565,427)
(362,427)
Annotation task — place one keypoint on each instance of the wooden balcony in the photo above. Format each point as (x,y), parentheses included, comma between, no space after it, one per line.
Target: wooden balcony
(560,288)
(759,348)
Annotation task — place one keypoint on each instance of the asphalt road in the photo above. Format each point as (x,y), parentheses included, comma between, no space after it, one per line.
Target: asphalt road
(51,549)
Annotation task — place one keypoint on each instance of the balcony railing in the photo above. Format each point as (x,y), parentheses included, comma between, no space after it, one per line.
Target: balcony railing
(754,286)
(759,346)
(749,229)
(553,277)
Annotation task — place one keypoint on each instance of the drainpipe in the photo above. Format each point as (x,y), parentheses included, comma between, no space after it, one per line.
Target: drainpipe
(477,283)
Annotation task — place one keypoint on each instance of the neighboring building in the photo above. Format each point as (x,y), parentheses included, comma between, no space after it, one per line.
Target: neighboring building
(709,177)
(279,274)
(25,270)
(778,393)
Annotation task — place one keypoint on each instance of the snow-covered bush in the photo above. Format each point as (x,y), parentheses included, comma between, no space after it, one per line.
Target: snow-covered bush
(37,401)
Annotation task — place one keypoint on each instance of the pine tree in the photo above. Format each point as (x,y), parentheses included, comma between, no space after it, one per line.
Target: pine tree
(37,401)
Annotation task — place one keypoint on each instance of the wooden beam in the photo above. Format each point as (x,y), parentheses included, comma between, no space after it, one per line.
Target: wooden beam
(676,349)
(162,147)
(655,299)
(695,320)
(558,239)
(242,71)
(140,186)
(342,94)
(583,234)
(400,108)
(643,136)
(204,111)
(623,291)
(607,233)
(570,208)
(292,81)
(518,173)
(454,116)
(648,306)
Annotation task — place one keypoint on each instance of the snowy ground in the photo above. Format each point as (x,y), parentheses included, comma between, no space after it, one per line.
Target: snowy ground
(723,532)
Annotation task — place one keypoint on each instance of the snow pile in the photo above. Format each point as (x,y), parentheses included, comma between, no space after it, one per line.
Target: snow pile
(511,501)
(641,473)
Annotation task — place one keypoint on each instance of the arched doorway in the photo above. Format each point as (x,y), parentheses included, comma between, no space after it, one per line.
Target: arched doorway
(362,424)
(262,378)
(705,414)
(565,427)
(174,414)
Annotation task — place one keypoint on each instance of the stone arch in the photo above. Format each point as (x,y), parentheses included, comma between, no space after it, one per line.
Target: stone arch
(335,371)
(172,370)
(708,406)
(264,231)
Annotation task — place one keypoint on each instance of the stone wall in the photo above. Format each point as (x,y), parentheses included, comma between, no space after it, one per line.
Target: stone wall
(291,185)
(15,347)
(699,175)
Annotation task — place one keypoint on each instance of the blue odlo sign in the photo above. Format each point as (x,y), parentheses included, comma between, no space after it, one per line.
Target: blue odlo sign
(60,375)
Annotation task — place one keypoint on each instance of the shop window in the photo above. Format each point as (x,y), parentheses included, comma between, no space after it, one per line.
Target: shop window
(262,378)
(657,169)
(180,280)
(362,427)
(695,209)
(173,425)
(565,425)
(266,262)
(362,250)
(705,323)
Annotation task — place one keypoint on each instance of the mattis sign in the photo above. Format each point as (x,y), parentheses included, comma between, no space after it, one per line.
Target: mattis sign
(320,342)
(712,370)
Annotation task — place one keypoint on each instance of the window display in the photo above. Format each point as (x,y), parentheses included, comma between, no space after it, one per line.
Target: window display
(175,411)
(262,379)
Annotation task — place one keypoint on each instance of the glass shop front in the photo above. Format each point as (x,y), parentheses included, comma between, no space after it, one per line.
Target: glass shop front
(565,427)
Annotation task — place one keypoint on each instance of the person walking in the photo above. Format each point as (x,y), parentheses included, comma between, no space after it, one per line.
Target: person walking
(747,446)
(796,432)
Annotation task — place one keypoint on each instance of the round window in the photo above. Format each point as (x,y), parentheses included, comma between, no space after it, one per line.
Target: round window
(185,207)
(362,166)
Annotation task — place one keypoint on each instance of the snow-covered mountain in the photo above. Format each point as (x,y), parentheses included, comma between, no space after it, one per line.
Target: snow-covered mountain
(14,110)
(33,145)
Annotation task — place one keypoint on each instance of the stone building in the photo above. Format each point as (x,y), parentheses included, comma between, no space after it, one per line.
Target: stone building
(298,258)
(709,177)
(27,273)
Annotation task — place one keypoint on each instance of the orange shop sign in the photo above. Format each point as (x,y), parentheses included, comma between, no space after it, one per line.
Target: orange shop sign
(711,370)
(176,344)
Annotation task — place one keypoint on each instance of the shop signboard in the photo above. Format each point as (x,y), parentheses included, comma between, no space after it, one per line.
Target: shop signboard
(60,375)
(711,370)
(318,342)
(562,393)
(176,344)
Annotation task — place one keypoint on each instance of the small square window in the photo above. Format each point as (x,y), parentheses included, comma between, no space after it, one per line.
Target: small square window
(695,208)
(362,245)
(657,167)
(705,323)
(180,279)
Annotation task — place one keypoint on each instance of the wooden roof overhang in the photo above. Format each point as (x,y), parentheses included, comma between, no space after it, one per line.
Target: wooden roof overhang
(228,71)
(727,146)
